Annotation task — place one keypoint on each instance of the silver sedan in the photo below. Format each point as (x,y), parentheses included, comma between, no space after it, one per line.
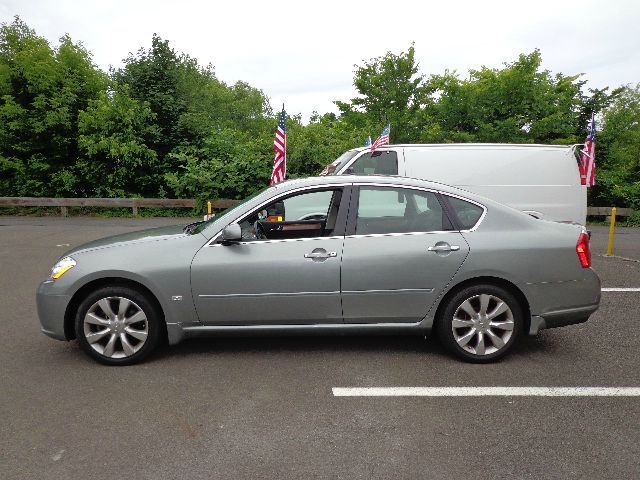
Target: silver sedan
(329,255)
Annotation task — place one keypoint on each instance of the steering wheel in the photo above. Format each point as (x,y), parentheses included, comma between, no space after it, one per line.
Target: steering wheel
(259,229)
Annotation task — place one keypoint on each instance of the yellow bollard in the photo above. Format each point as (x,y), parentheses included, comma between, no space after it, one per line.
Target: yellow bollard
(209,208)
(611,231)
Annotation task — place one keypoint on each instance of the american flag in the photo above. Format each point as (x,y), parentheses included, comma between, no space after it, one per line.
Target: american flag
(367,142)
(383,139)
(279,172)
(588,158)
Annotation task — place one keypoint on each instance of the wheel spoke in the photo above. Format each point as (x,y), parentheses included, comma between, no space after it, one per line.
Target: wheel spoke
(126,346)
(495,339)
(502,325)
(468,308)
(459,323)
(484,303)
(499,310)
(106,307)
(137,334)
(480,348)
(94,319)
(123,306)
(110,346)
(135,318)
(462,341)
(94,337)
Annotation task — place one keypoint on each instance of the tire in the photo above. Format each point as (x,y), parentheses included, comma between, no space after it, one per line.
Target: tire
(118,325)
(479,337)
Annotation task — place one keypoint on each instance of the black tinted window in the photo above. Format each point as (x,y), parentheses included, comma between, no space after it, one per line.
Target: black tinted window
(395,210)
(377,163)
(468,213)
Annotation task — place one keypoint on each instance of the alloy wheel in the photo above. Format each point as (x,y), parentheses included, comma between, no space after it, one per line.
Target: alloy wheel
(115,327)
(482,324)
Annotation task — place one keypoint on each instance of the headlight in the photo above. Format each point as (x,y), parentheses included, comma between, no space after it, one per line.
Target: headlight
(63,265)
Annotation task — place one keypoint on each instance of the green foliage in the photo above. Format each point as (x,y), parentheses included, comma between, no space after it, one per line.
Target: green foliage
(618,152)
(391,91)
(115,160)
(42,91)
(163,125)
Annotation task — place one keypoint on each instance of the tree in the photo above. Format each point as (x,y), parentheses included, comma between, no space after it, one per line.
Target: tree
(391,91)
(618,152)
(115,161)
(42,91)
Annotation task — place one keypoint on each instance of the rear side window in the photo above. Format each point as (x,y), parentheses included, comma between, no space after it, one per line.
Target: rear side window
(468,213)
(394,210)
(384,162)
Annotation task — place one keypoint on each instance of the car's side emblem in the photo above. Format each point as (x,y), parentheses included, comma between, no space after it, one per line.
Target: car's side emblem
(176,298)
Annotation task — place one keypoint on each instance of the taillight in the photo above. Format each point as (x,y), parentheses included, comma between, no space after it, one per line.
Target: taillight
(583,250)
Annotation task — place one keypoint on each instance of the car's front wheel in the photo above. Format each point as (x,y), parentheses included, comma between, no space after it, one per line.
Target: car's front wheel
(480,323)
(118,325)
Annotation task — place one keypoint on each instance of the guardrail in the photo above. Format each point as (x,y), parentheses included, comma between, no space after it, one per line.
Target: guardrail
(133,203)
(606,211)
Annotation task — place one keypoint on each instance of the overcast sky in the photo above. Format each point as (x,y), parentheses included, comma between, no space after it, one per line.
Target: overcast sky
(303,53)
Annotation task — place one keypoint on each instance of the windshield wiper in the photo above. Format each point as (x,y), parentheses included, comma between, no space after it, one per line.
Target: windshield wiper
(188,229)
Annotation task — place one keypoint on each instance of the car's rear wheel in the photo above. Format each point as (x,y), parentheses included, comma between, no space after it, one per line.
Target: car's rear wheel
(118,325)
(480,323)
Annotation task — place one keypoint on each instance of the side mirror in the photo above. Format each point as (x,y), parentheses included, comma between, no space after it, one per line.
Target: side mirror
(231,234)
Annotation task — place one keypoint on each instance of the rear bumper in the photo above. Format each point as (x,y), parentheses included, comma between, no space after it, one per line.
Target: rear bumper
(51,310)
(561,318)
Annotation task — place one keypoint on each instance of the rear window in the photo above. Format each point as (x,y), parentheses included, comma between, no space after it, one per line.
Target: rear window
(468,213)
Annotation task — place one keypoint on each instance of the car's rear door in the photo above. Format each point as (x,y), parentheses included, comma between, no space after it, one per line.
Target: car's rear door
(400,252)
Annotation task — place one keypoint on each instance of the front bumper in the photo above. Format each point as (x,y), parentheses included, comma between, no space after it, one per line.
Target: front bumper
(51,310)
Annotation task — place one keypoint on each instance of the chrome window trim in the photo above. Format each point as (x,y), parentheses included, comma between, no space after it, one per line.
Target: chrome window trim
(346,183)
(343,184)
(280,240)
(425,189)
(400,234)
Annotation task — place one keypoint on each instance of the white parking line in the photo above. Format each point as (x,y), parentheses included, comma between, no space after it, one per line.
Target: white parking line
(620,289)
(486,392)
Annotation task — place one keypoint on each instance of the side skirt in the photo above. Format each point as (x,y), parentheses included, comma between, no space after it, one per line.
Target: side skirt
(178,332)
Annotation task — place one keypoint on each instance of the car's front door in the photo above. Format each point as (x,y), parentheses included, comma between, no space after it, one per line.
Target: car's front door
(285,271)
(400,252)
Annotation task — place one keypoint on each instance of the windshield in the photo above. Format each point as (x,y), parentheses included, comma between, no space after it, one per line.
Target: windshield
(338,163)
(206,223)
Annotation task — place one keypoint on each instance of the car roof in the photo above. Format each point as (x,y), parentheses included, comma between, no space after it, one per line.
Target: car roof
(373,179)
(494,146)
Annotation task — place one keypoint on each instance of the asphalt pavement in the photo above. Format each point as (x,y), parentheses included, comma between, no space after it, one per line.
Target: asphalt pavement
(263,407)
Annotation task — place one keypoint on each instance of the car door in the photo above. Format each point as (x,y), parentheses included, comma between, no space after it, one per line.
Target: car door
(400,252)
(285,271)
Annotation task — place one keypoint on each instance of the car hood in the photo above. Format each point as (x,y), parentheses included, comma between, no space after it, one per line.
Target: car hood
(150,235)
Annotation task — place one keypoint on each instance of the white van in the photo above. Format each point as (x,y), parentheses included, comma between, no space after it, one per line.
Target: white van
(542,180)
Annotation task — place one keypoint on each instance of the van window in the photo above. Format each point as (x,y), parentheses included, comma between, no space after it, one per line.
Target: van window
(384,162)
(468,213)
(394,210)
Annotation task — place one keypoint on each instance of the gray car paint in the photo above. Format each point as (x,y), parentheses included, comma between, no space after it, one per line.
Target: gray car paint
(537,256)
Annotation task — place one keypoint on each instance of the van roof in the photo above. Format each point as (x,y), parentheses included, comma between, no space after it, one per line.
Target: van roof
(473,145)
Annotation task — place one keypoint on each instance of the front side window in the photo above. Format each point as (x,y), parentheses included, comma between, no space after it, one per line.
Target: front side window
(303,215)
(396,210)
(382,162)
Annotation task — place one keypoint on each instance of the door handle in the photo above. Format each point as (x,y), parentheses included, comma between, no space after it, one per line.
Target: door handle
(320,255)
(444,248)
